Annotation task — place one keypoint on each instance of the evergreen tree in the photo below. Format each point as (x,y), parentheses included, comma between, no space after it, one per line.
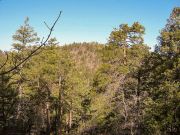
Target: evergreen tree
(125,36)
(170,35)
(24,36)
(160,80)
(24,39)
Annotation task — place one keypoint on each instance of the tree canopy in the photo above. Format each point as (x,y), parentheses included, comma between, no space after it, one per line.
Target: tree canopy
(118,88)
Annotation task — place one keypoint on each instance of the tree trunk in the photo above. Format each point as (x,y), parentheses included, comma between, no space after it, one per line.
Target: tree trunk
(20,92)
(70,118)
(124,55)
(60,111)
(20,101)
(125,107)
(48,118)
(138,104)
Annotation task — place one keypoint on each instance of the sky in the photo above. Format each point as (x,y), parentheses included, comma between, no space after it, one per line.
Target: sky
(83,20)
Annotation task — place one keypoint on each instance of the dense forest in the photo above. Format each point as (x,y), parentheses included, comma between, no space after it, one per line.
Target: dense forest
(117,88)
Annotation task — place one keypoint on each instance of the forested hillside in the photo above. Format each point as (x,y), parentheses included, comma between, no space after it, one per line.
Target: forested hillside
(117,88)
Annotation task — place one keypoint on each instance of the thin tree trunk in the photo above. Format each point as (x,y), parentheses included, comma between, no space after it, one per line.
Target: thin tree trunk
(125,107)
(132,125)
(20,92)
(48,112)
(56,119)
(70,115)
(60,108)
(122,81)
(138,104)
(20,101)
(70,119)
(48,118)
(67,124)
(124,55)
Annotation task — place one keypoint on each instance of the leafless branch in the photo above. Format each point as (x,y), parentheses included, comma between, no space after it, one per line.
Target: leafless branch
(47,26)
(34,51)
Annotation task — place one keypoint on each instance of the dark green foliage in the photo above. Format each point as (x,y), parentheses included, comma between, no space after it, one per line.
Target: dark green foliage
(120,88)
(160,75)
(170,35)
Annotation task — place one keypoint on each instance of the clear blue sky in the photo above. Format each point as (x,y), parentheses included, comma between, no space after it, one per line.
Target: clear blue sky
(83,20)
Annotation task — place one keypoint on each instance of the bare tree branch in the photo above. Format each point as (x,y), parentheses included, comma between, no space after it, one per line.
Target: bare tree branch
(43,43)
(47,26)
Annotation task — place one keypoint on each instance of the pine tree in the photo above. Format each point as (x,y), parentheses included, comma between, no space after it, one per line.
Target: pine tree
(160,79)
(24,36)
(170,36)
(125,36)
